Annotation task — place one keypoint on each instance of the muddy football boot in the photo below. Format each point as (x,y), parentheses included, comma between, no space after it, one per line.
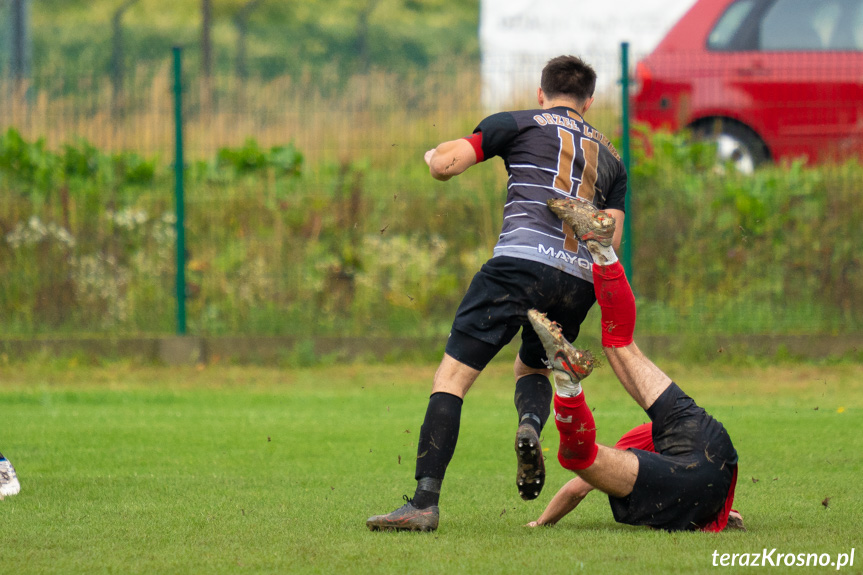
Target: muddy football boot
(569,365)
(406,518)
(8,479)
(586,221)
(531,464)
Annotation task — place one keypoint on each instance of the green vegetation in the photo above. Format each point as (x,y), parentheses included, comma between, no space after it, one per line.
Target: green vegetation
(278,245)
(309,210)
(138,469)
(776,252)
(76,36)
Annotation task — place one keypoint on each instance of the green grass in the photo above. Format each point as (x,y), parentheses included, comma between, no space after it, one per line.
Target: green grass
(131,469)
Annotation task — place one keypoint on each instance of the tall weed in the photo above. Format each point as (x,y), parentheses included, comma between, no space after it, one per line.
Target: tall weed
(280,245)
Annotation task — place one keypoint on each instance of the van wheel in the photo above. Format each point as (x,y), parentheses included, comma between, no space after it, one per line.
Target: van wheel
(735,143)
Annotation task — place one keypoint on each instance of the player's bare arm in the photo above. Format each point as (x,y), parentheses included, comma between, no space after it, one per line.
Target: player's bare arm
(563,502)
(450,159)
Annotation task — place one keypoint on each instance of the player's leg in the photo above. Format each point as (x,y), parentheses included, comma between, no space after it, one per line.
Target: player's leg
(9,484)
(436,446)
(609,470)
(533,394)
(639,376)
(479,331)
(568,300)
(439,431)
(572,493)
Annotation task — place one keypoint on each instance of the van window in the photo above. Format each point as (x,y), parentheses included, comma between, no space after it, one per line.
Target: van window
(804,25)
(723,35)
(848,34)
(857,33)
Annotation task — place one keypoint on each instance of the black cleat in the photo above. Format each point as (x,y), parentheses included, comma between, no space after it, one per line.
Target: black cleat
(531,464)
(406,518)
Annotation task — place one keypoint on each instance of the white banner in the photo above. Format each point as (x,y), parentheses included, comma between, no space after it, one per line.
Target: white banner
(517,38)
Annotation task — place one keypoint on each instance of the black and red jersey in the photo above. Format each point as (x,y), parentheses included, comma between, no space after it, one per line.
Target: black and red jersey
(548,154)
(641,437)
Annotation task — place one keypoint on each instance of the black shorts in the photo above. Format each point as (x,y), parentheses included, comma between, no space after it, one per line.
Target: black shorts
(496,305)
(682,486)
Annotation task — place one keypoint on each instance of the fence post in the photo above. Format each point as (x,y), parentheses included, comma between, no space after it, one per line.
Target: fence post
(178,192)
(626,252)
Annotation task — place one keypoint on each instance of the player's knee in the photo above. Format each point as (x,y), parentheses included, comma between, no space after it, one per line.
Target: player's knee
(521,369)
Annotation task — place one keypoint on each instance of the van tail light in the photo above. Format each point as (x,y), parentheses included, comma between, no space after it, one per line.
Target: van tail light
(643,78)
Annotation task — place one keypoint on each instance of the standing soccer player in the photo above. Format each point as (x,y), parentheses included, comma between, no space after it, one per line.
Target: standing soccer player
(550,152)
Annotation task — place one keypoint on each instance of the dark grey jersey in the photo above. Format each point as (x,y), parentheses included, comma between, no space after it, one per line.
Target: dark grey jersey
(550,154)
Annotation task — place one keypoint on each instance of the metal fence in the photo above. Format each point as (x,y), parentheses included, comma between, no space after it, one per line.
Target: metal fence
(309,211)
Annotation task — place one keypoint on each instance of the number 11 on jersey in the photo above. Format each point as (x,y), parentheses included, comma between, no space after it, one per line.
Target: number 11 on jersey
(569,170)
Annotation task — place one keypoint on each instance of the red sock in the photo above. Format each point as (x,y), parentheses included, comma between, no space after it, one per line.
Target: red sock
(617,304)
(577,429)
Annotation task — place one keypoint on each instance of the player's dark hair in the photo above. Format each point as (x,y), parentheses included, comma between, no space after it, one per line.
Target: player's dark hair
(568,76)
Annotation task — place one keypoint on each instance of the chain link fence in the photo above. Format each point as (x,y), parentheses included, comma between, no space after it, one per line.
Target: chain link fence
(309,211)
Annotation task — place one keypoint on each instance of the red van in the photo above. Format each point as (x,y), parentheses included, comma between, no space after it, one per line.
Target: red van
(768,79)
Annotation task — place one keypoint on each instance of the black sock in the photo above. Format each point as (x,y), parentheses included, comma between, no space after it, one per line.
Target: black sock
(427,493)
(532,420)
(533,394)
(438,437)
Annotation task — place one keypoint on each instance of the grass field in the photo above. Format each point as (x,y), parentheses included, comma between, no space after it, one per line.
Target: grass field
(131,468)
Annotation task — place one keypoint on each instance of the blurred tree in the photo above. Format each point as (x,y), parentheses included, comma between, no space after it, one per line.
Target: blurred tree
(253,37)
(206,33)
(118,58)
(19,34)
(361,44)
(241,21)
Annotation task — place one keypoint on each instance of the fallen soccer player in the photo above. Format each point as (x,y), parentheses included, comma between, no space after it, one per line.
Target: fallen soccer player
(576,489)
(687,482)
